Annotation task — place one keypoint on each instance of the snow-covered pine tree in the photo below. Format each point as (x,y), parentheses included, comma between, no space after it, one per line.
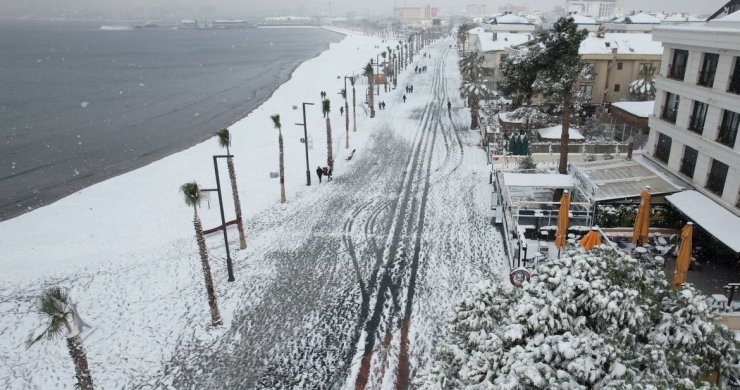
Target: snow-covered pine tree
(550,68)
(596,320)
(643,89)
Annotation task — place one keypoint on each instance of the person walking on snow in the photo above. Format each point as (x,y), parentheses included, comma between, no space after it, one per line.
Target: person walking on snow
(341,110)
(404,98)
(319,173)
(449,107)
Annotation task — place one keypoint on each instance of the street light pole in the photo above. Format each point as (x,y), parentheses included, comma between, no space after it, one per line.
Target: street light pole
(305,142)
(229,266)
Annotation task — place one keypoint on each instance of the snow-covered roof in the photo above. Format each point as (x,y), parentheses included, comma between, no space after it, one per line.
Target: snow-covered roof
(641,18)
(682,18)
(625,43)
(621,179)
(508,19)
(503,40)
(580,19)
(555,132)
(543,180)
(504,117)
(639,109)
(712,217)
(733,17)
(477,30)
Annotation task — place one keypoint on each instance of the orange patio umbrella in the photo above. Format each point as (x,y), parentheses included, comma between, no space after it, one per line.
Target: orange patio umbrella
(642,221)
(562,232)
(684,255)
(591,239)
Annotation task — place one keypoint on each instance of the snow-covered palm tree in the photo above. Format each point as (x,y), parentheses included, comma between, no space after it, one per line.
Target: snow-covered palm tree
(385,85)
(369,72)
(193,196)
(354,104)
(326,108)
(473,89)
(343,92)
(57,308)
(276,122)
(224,140)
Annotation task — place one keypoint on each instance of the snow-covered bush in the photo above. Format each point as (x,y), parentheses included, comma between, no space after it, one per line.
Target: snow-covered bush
(596,320)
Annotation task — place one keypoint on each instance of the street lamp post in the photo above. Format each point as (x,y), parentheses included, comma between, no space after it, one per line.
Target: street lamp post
(354,101)
(305,143)
(229,266)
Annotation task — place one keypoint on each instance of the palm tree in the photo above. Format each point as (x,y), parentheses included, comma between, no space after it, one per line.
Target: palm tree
(370,73)
(473,89)
(354,104)
(325,108)
(276,122)
(385,85)
(193,195)
(343,92)
(224,140)
(56,306)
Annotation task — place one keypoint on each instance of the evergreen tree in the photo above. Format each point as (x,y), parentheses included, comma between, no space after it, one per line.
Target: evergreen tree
(592,321)
(643,89)
(551,68)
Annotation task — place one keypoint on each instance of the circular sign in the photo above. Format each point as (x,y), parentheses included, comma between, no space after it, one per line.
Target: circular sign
(518,276)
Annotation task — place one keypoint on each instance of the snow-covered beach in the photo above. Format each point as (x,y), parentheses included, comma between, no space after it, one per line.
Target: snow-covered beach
(125,247)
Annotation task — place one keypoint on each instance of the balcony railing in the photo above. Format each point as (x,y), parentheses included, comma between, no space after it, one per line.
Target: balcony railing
(669,115)
(676,72)
(726,135)
(696,124)
(734,85)
(706,79)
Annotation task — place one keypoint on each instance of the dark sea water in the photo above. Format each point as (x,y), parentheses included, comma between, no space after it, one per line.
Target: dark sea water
(79,105)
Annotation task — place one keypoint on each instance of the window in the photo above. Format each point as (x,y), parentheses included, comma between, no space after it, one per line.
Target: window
(619,66)
(698,116)
(616,87)
(734,85)
(728,129)
(670,109)
(663,148)
(647,68)
(708,70)
(589,71)
(502,60)
(677,68)
(587,90)
(717,176)
(688,162)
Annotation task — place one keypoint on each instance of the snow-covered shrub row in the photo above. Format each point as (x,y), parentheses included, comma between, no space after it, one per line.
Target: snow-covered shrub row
(596,320)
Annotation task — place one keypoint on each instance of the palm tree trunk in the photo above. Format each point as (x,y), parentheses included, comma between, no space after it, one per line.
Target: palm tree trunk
(210,291)
(329,153)
(346,120)
(354,109)
(473,112)
(237,204)
(563,165)
(282,168)
(79,357)
(370,98)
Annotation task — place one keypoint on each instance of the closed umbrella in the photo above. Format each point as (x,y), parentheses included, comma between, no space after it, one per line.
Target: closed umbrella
(642,221)
(684,255)
(591,239)
(562,231)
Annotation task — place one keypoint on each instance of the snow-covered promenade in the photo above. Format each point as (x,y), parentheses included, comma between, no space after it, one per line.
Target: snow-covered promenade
(409,215)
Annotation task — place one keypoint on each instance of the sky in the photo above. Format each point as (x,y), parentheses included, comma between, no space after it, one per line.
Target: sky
(242,8)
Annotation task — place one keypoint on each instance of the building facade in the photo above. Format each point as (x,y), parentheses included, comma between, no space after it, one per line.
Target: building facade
(693,131)
(595,8)
(417,15)
(473,10)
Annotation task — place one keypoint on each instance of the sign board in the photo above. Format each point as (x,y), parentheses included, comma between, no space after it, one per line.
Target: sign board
(379,79)
(518,276)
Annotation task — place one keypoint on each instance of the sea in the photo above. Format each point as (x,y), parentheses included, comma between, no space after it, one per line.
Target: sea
(79,104)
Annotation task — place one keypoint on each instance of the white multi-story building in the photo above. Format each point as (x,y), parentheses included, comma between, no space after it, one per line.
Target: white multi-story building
(595,8)
(693,132)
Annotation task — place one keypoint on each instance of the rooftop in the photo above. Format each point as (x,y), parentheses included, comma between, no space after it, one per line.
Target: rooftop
(555,132)
(712,217)
(503,40)
(625,43)
(508,19)
(580,19)
(641,18)
(639,109)
(619,179)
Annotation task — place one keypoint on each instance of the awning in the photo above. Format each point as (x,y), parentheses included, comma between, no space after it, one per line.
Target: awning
(713,218)
(540,180)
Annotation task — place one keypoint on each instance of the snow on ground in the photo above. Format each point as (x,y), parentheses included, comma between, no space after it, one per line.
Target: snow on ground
(398,237)
(125,246)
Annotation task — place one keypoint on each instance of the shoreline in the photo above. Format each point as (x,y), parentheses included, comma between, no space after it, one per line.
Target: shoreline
(57,193)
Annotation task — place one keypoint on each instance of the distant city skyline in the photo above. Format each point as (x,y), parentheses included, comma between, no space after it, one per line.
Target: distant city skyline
(243,8)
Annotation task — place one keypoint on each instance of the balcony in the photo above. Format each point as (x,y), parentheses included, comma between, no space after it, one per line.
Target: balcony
(726,135)
(676,72)
(734,85)
(696,124)
(706,79)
